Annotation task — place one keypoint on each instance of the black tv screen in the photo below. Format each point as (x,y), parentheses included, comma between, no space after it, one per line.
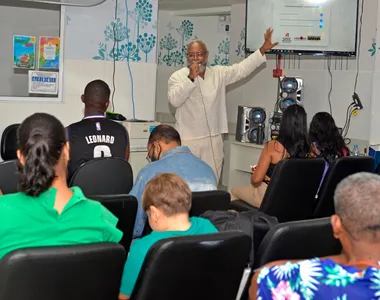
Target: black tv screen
(315,27)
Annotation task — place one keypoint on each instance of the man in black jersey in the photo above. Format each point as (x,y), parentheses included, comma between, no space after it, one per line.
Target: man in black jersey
(95,136)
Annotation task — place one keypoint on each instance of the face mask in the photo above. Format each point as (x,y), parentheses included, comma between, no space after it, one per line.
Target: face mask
(153,157)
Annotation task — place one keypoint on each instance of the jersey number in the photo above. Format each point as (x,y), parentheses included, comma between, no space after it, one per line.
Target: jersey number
(102,151)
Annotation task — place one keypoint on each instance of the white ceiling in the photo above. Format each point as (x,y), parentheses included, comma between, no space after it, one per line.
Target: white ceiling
(194,4)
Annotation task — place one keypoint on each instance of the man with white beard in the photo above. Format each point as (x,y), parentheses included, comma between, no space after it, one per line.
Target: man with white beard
(198,92)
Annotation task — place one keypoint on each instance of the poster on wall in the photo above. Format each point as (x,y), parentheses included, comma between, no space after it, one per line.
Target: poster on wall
(43,82)
(24,51)
(48,54)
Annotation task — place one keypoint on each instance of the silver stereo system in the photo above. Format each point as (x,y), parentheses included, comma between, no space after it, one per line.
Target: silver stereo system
(290,91)
(250,125)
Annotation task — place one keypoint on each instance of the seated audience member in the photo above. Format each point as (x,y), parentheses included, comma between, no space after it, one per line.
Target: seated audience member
(168,156)
(292,142)
(326,140)
(355,273)
(46,212)
(96,136)
(167,202)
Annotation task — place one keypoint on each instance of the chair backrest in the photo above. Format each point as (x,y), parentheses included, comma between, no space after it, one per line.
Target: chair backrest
(209,200)
(8,177)
(90,271)
(124,207)
(340,169)
(298,240)
(104,176)
(291,191)
(9,142)
(199,267)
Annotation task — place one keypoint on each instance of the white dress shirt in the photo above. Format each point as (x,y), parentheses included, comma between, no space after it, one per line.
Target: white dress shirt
(201,105)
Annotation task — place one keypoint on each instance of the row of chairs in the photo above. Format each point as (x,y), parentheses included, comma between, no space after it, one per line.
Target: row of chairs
(190,267)
(100,176)
(291,193)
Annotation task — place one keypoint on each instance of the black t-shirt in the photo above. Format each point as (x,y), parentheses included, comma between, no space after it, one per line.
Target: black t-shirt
(95,137)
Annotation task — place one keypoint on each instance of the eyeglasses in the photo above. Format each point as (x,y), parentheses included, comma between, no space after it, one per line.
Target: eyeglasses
(195,55)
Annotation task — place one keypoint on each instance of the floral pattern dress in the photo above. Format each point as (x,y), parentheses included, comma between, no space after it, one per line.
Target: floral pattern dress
(318,279)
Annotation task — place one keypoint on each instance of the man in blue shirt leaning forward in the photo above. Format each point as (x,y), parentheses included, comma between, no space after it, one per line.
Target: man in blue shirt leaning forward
(166,155)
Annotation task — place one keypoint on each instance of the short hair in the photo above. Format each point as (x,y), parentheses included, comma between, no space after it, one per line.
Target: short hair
(202,43)
(164,133)
(168,192)
(357,203)
(96,93)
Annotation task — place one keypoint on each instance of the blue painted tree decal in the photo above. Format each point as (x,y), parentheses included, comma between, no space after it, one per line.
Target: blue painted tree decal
(223,56)
(185,31)
(373,48)
(130,51)
(146,44)
(173,59)
(142,14)
(103,52)
(168,43)
(118,43)
(240,51)
(116,31)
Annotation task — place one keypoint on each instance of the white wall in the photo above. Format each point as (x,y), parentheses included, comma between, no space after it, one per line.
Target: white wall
(77,73)
(375,99)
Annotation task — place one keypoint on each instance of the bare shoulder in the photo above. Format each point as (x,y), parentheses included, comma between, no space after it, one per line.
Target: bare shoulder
(275,146)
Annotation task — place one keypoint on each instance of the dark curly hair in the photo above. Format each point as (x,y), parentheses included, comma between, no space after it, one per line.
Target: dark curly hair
(325,135)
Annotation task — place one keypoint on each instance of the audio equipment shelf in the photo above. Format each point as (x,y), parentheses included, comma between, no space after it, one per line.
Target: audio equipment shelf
(242,155)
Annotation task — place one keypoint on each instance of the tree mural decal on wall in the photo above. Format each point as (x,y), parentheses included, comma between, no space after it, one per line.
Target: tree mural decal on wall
(173,48)
(167,44)
(185,31)
(172,52)
(223,56)
(118,43)
(373,48)
(146,43)
(240,50)
(141,14)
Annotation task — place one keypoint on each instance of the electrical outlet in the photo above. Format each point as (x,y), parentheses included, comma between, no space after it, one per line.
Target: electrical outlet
(358,103)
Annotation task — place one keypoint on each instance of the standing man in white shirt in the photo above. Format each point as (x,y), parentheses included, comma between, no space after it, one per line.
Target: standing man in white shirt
(198,92)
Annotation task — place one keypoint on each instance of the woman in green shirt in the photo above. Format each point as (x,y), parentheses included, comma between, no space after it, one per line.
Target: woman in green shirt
(46,212)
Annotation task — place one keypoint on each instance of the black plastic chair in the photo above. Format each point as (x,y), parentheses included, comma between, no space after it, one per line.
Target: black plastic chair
(291,191)
(90,271)
(9,143)
(340,169)
(124,207)
(199,267)
(209,200)
(104,176)
(298,240)
(8,177)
